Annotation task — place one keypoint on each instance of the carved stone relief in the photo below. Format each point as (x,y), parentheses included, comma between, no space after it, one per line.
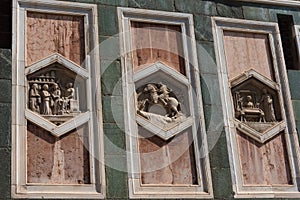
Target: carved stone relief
(52,94)
(158,104)
(256,105)
(262,141)
(55,129)
(164,120)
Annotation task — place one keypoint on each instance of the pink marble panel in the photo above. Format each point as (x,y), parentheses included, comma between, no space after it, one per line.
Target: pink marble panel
(52,33)
(40,154)
(167,162)
(157,42)
(264,164)
(76,156)
(52,160)
(246,51)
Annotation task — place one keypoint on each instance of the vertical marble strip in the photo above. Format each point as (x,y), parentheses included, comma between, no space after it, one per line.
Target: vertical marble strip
(50,33)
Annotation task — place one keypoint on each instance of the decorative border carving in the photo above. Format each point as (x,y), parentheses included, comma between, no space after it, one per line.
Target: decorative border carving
(271,29)
(21,189)
(140,79)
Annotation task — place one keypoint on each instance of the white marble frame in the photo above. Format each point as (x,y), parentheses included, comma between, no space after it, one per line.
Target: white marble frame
(271,29)
(20,188)
(297,38)
(136,189)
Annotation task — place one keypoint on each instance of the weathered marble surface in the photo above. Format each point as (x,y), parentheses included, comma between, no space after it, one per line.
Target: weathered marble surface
(50,33)
(157,42)
(63,160)
(246,51)
(264,164)
(167,162)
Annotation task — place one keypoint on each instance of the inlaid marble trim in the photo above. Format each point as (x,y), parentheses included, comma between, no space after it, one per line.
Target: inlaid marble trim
(93,117)
(240,189)
(154,73)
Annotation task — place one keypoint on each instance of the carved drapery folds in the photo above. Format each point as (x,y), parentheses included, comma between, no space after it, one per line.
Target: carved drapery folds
(55,92)
(53,97)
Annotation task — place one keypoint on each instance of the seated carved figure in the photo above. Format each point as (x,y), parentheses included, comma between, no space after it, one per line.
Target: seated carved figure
(248,111)
(70,103)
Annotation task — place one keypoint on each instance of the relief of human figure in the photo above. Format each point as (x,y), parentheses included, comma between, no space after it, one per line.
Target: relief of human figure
(160,95)
(34,98)
(267,106)
(58,102)
(69,95)
(164,96)
(46,100)
(248,103)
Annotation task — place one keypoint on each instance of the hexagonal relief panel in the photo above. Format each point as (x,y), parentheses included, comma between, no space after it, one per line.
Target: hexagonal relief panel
(257,106)
(162,98)
(56,92)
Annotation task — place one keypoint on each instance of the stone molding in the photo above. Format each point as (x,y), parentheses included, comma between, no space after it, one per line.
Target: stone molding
(287,124)
(154,74)
(20,114)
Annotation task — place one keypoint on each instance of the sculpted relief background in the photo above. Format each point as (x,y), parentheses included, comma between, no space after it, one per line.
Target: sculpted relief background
(258,109)
(53,95)
(158,104)
(56,94)
(165,124)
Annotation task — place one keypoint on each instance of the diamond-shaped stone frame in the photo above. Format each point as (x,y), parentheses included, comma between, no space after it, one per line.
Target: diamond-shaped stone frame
(177,78)
(38,119)
(260,137)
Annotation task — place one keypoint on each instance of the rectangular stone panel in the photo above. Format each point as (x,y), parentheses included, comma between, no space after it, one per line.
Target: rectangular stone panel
(40,155)
(246,51)
(52,160)
(157,42)
(167,162)
(264,164)
(76,156)
(50,33)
